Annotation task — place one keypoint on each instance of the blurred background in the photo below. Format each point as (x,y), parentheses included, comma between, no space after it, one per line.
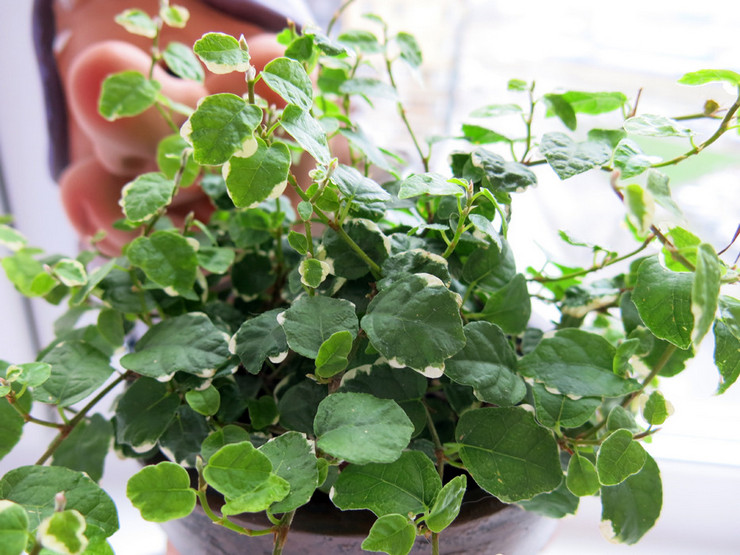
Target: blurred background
(471,49)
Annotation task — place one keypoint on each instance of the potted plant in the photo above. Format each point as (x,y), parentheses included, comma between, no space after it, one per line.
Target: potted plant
(368,340)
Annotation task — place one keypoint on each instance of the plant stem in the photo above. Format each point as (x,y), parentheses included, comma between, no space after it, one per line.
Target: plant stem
(723,126)
(374,268)
(67,429)
(460,224)
(438,447)
(666,356)
(281,534)
(402,111)
(528,122)
(595,267)
(336,16)
(225,522)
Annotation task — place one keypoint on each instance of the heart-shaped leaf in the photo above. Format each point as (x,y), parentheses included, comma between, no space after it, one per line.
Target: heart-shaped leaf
(569,158)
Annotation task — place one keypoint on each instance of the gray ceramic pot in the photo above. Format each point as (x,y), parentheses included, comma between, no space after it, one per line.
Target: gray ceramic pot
(485,526)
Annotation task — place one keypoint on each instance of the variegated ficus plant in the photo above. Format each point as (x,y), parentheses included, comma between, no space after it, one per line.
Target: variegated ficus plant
(370,333)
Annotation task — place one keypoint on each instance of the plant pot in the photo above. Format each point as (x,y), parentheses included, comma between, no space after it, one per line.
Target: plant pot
(485,525)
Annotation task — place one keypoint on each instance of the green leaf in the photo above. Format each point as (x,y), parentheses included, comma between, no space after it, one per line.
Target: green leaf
(384,382)
(447,504)
(610,137)
(299,404)
(657,186)
(359,140)
(161,492)
(361,41)
(500,174)
(582,479)
(181,441)
(169,159)
(143,413)
(186,343)
(410,50)
(216,260)
(244,475)
(307,132)
(77,369)
(555,411)
(222,53)
(633,506)
(361,429)
(619,457)
(414,261)
(224,436)
(263,412)
(663,299)
(126,94)
(86,447)
(12,428)
(569,158)
(594,103)
(27,274)
(576,362)
(146,195)
(111,326)
(559,106)
(478,135)
(293,460)
(11,238)
(367,235)
(174,16)
(640,208)
(619,418)
(705,291)
(220,127)
(204,401)
(298,241)
(429,184)
(333,353)
(509,307)
(261,176)
(492,266)
(259,338)
(408,485)
(313,320)
(289,80)
(554,504)
(507,453)
(496,110)
(487,363)
(137,22)
(629,159)
(63,532)
(167,258)
(13,528)
(415,322)
(35,487)
(686,244)
(726,354)
(183,438)
(650,125)
(392,534)
(366,86)
(656,409)
(32,374)
(182,62)
(704,76)
(70,272)
(356,187)
(313,272)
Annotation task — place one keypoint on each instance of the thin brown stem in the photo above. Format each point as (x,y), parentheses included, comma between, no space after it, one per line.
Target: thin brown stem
(723,126)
